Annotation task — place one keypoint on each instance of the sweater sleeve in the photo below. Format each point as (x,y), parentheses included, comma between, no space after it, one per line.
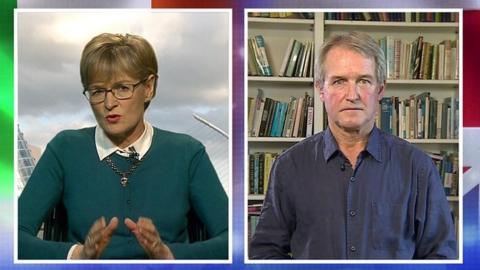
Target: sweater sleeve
(210,203)
(42,192)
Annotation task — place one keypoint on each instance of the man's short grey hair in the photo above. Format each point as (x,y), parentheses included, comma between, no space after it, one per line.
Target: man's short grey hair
(355,41)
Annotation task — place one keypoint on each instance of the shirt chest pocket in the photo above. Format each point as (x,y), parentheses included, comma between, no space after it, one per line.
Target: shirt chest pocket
(389,226)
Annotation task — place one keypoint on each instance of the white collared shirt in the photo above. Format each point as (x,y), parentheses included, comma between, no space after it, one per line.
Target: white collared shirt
(106,147)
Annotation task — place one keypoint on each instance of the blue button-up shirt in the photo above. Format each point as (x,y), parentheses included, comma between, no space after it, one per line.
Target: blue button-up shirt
(390,206)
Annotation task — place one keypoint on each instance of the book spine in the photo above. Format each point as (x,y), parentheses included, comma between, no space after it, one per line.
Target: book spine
(263,124)
(286,57)
(261,172)
(263,55)
(276,119)
(397,49)
(293,59)
(298,114)
(251,169)
(271,115)
(390,57)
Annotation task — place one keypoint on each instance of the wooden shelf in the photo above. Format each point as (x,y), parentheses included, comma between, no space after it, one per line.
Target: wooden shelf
(433,141)
(280,79)
(280,20)
(442,82)
(391,24)
(256,197)
(262,197)
(274,139)
(415,141)
(452,198)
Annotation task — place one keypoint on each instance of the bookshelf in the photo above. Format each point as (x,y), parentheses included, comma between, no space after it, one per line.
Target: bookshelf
(278,31)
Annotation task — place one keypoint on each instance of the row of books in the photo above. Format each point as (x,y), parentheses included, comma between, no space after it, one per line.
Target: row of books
(257,57)
(447,165)
(298,59)
(259,166)
(394,16)
(419,117)
(420,59)
(435,17)
(272,118)
(288,15)
(366,16)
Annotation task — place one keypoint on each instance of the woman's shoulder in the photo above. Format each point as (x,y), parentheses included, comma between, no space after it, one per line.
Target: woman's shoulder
(77,136)
(176,140)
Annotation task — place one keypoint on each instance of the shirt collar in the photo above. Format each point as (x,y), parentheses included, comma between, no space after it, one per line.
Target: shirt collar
(330,145)
(106,147)
(373,144)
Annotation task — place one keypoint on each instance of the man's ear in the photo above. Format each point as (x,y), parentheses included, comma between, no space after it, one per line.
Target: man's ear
(381,91)
(318,85)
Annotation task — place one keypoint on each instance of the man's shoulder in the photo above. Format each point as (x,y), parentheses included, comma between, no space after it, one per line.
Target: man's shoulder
(307,148)
(401,146)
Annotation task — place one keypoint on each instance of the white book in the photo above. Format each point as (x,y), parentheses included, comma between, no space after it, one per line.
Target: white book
(304,59)
(251,114)
(286,57)
(291,119)
(408,74)
(441,61)
(309,121)
(297,116)
(439,120)
(257,117)
(390,57)
(310,68)
(307,61)
(454,62)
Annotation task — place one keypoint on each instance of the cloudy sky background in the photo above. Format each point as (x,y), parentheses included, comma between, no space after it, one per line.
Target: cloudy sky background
(192,50)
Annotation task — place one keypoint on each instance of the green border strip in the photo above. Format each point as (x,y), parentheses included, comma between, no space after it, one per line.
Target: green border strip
(6,97)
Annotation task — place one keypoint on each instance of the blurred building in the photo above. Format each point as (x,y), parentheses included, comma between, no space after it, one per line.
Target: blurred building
(26,161)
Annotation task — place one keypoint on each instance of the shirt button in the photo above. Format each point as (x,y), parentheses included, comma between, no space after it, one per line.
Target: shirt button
(129,201)
(353,249)
(352,213)
(352,179)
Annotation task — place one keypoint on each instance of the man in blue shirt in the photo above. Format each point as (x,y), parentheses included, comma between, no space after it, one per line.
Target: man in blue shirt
(353,191)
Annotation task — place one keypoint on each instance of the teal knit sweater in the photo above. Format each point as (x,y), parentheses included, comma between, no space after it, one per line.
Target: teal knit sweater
(175,176)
